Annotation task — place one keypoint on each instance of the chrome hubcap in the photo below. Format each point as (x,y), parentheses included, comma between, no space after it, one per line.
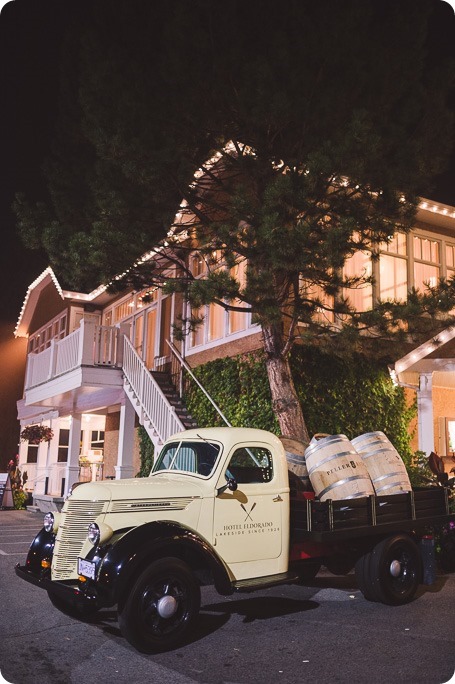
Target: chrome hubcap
(167,606)
(395,568)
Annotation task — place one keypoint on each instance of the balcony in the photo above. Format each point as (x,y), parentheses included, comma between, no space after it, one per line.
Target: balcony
(77,369)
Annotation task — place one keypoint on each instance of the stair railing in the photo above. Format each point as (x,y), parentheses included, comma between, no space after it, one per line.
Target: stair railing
(152,406)
(183,364)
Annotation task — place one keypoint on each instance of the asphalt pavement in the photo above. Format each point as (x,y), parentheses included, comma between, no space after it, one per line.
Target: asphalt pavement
(324,633)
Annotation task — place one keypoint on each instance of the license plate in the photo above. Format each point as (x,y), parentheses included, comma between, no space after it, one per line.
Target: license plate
(86,568)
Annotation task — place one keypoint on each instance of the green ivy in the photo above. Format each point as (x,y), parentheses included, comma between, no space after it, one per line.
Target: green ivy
(350,397)
(145,452)
(239,386)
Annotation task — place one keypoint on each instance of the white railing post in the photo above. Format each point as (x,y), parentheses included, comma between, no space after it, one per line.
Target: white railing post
(52,360)
(29,371)
(123,333)
(86,343)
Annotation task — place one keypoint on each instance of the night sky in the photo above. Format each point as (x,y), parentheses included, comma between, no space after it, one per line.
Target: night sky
(30,39)
(30,36)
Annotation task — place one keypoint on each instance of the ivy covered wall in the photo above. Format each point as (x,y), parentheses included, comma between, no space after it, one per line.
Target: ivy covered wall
(338,396)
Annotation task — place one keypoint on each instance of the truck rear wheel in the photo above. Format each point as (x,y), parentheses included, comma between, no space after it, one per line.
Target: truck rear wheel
(161,606)
(391,572)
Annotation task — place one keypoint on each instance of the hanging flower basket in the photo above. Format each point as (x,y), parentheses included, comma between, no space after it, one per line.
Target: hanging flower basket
(34,434)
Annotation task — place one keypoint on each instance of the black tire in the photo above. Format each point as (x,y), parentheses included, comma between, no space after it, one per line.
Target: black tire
(161,606)
(362,575)
(391,572)
(84,613)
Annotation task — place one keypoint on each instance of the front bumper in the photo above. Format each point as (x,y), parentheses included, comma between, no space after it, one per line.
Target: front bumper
(69,592)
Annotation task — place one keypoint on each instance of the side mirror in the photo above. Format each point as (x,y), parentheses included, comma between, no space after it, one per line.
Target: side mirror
(231,484)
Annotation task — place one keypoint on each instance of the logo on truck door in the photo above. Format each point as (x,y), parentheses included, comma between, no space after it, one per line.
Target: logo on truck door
(248,515)
(248,526)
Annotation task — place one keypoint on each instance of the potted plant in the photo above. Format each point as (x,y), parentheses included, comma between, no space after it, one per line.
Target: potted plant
(34,434)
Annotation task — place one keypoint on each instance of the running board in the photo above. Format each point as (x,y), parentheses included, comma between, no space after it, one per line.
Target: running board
(265,582)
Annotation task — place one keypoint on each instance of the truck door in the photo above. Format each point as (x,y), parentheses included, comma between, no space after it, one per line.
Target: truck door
(248,522)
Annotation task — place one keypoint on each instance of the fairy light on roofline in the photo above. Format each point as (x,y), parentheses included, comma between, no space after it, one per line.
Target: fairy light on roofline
(47,272)
(435,208)
(425,349)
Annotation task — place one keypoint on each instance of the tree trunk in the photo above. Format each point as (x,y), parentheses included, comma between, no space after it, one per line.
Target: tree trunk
(285,402)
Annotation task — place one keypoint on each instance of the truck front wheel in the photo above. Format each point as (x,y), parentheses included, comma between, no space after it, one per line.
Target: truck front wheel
(391,572)
(159,609)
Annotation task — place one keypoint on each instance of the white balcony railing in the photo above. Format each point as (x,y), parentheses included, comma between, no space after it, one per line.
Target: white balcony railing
(89,345)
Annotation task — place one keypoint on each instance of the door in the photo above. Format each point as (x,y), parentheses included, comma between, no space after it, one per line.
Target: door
(150,352)
(139,334)
(248,522)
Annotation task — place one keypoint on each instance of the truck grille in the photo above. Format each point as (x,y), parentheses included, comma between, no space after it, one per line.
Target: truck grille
(71,535)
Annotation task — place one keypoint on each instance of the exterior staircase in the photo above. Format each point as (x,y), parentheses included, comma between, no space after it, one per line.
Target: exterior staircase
(164,381)
(154,398)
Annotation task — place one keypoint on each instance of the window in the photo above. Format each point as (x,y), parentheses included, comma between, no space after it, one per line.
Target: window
(32,453)
(393,269)
(359,265)
(197,265)
(63,443)
(426,262)
(216,315)
(315,293)
(450,260)
(124,309)
(250,465)
(197,335)
(237,320)
(97,439)
(191,457)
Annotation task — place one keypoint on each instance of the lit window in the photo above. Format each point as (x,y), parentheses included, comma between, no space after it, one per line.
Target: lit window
(450,260)
(197,336)
(426,262)
(216,321)
(237,319)
(197,265)
(359,265)
(393,269)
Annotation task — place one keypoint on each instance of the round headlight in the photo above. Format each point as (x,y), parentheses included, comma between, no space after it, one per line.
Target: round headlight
(48,522)
(93,534)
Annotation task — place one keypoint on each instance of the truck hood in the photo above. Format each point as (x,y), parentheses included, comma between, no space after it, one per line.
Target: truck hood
(147,488)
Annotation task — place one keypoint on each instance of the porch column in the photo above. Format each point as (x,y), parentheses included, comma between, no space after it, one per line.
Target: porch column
(425,413)
(124,467)
(72,464)
(41,468)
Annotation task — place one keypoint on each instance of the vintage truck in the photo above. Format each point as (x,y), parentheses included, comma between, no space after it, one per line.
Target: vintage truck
(220,507)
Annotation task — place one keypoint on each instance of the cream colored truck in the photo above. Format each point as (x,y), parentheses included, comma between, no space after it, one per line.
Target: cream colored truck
(221,508)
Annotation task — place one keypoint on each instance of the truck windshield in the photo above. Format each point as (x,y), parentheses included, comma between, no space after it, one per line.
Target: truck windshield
(190,457)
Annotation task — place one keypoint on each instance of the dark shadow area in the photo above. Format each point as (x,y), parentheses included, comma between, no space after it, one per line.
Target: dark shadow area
(342,582)
(435,588)
(262,608)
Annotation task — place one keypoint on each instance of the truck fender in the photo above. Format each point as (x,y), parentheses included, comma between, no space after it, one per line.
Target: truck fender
(156,540)
(41,548)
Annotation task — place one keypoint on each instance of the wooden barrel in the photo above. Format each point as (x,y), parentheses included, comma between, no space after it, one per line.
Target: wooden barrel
(383,462)
(295,457)
(336,470)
